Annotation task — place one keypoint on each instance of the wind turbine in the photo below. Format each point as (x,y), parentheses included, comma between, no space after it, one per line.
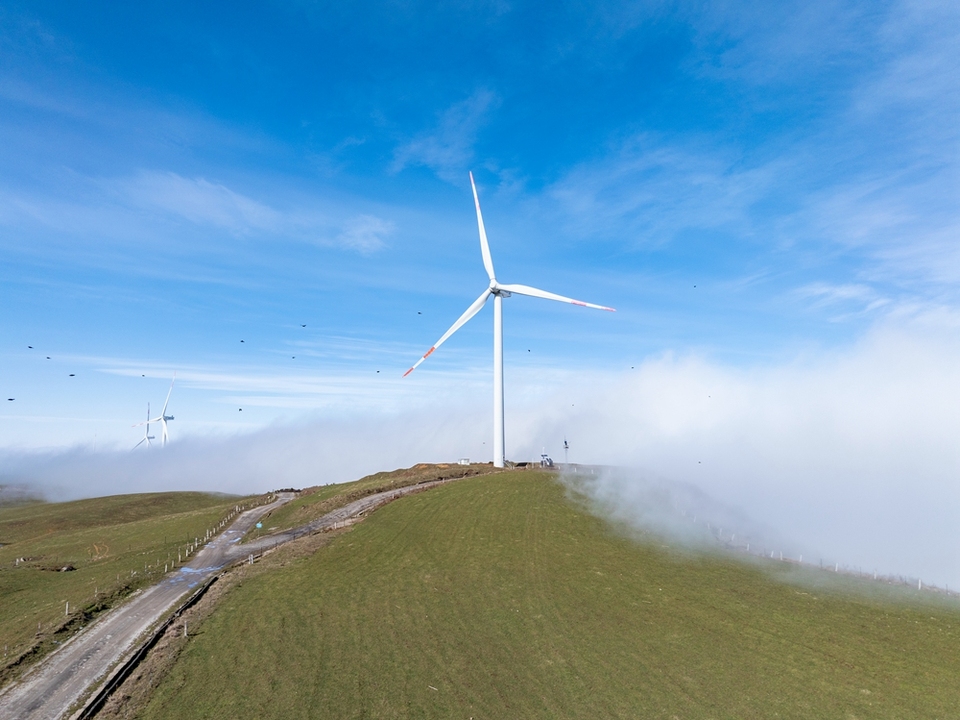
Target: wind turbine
(161,418)
(147,437)
(498,291)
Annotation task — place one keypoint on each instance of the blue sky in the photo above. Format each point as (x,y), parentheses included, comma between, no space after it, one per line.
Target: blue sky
(740,182)
(767,195)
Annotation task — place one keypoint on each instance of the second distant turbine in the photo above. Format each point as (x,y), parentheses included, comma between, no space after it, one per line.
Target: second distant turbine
(498,291)
(161,418)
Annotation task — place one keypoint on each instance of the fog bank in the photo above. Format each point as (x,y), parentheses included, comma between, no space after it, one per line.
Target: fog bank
(313,452)
(847,455)
(852,456)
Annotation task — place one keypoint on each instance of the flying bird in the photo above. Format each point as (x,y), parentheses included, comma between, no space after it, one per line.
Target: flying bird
(498,291)
(30,347)
(72,375)
(10,399)
(303,326)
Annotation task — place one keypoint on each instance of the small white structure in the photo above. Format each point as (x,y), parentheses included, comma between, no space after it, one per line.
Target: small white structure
(463,461)
(545,460)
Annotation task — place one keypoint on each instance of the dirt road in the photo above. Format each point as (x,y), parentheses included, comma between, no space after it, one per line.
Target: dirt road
(57,683)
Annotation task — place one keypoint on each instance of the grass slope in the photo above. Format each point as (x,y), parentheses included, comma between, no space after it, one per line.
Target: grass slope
(116,544)
(317,501)
(496,597)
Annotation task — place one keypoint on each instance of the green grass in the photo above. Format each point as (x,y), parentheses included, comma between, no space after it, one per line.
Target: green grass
(116,544)
(316,501)
(496,597)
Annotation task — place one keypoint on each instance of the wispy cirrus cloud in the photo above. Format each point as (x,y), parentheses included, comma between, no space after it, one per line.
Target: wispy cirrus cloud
(865,189)
(365,233)
(201,202)
(654,188)
(142,205)
(847,299)
(447,148)
(744,42)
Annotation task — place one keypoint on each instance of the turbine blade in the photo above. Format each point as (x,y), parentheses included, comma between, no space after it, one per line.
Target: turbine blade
(461,321)
(534,292)
(139,443)
(164,411)
(484,245)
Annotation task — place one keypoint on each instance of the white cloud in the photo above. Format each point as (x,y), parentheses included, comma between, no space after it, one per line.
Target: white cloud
(746,42)
(651,188)
(447,149)
(179,211)
(365,233)
(850,455)
(849,298)
(202,202)
(282,455)
(865,189)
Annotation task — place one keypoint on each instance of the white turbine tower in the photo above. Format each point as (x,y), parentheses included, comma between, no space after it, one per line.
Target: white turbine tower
(161,418)
(499,291)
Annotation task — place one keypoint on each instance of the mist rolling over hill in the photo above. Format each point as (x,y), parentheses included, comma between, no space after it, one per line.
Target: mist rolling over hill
(849,456)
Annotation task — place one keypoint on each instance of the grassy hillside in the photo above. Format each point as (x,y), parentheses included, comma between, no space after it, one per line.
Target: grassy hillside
(115,544)
(495,597)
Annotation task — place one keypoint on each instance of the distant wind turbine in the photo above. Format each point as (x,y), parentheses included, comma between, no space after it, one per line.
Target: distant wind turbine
(161,418)
(147,437)
(499,291)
